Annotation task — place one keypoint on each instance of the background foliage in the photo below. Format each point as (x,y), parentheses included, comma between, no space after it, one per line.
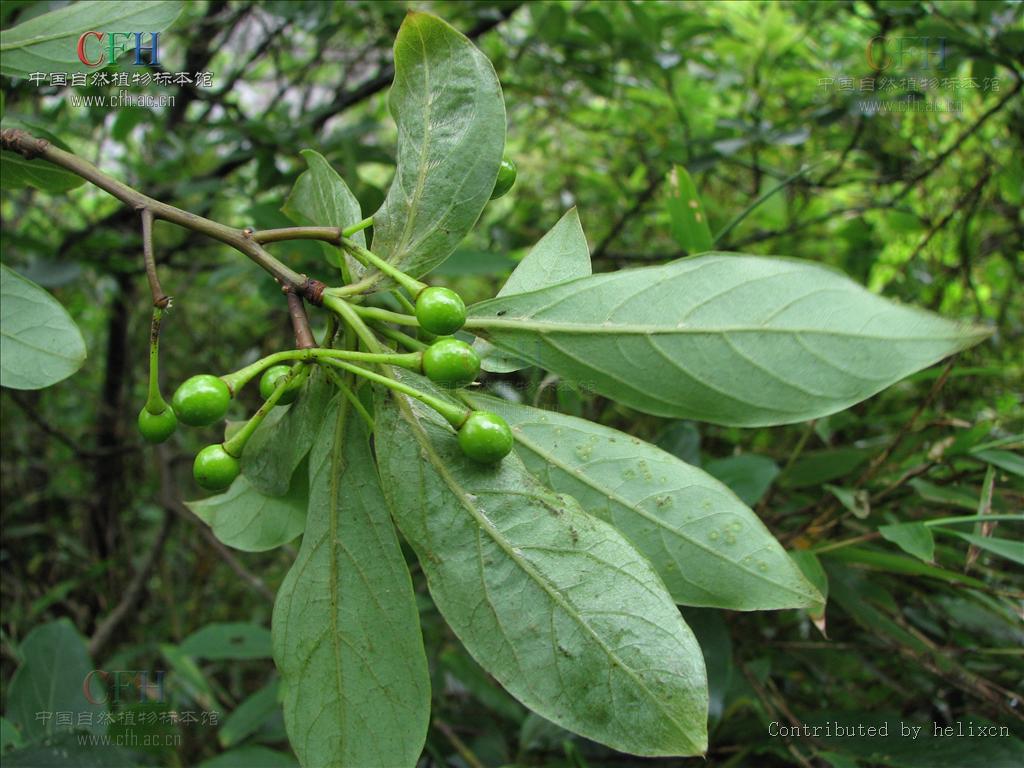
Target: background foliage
(604,101)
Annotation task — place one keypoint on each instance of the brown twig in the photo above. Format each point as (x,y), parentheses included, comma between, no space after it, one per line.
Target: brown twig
(300,322)
(29,146)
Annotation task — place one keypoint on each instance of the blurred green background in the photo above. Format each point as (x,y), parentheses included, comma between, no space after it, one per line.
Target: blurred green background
(913,186)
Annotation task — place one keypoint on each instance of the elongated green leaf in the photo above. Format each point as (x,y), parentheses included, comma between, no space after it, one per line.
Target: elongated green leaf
(913,538)
(248,520)
(17,171)
(1010,549)
(346,631)
(66,750)
(321,198)
(748,475)
(49,43)
(706,544)
(248,716)
(52,677)
(233,640)
(1006,460)
(251,756)
(688,220)
(731,339)
(447,103)
(562,254)
(39,342)
(283,439)
(554,603)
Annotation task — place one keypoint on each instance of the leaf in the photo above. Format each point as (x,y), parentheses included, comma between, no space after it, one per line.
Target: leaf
(748,475)
(942,495)
(1012,550)
(321,198)
(39,342)
(67,750)
(188,677)
(913,538)
(248,716)
(712,633)
(10,736)
(250,521)
(1005,460)
(708,547)
(49,43)
(856,501)
(447,103)
(687,218)
(347,641)
(228,641)
(251,756)
(17,171)
(52,676)
(554,603)
(817,467)
(281,442)
(732,339)
(562,254)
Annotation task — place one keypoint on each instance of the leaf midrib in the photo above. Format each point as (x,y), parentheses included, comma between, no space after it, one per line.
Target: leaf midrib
(610,328)
(527,568)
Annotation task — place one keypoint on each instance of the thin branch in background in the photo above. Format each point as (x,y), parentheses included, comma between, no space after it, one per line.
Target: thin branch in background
(106,629)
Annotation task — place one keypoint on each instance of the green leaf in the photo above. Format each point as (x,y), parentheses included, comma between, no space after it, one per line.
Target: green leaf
(1012,550)
(346,630)
(17,171)
(10,736)
(562,254)
(707,545)
(39,342)
(281,442)
(732,339)
(712,633)
(687,218)
(228,641)
(49,43)
(54,669)
(913,538)
(748,475)
(250,521)
(248,716)
(188,677)
(321,198)
(66,750)
(856,501)
(942,495)
(447,103)
(554,603)
(1005,460)
(250,756)
(811,567)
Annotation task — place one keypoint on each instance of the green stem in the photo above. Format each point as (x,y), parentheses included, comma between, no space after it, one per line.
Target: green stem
(243,376)
(387,316)
(236,444)
(357,227)
(455,415)
(974,519)
(351,396)
(155,402)
(396,335)
(346,312)
(406,304)
(370,259)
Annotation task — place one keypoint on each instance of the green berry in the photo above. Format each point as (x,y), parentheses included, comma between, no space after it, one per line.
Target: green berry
(506,178)
(157,427)
(440,311)
(214,468)
(485,437)
(450,361)
(201,400)
(272,377)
